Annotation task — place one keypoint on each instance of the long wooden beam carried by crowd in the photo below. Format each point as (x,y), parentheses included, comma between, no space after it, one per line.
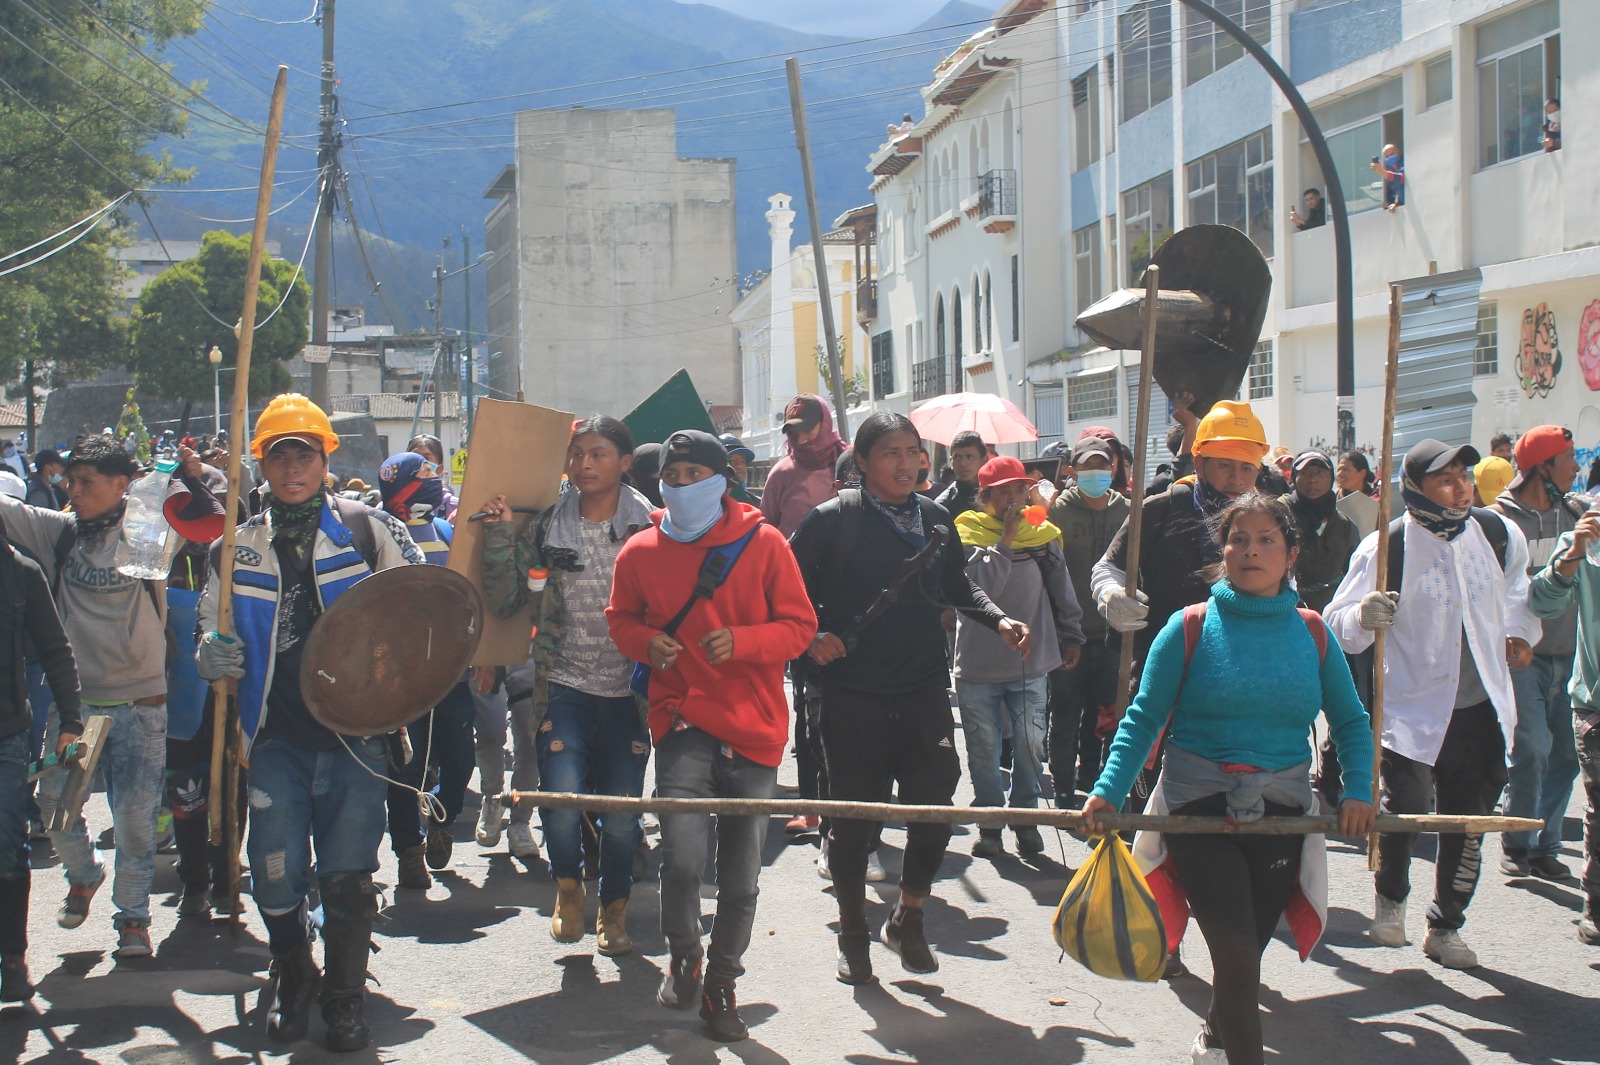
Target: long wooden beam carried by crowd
(1147,362)
(226,740)
(1380,561)
(1001,815)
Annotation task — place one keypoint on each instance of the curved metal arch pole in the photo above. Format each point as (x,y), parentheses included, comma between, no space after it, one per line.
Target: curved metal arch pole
(1344,282)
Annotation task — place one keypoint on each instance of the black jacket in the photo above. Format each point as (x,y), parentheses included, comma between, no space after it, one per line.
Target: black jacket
(1177,550)
(904,649)
(1324,556)
(28,618)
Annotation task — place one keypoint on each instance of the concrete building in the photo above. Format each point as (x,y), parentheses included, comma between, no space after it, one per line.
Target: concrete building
(614,263)
(780,328)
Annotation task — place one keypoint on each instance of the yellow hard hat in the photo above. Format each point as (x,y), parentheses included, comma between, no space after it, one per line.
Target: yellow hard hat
(1230,430)
(292,414)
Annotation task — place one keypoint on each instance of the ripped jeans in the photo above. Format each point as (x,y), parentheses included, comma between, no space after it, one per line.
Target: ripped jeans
(592,744)
(299,796)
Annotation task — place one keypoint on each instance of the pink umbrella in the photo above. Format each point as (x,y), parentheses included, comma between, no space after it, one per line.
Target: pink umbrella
(996,419)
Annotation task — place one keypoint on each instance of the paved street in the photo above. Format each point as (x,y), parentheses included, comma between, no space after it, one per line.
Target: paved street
(470,975)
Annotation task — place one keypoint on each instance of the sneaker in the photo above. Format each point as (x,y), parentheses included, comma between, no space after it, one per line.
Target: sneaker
(414,868)
(519,840)
(875,873)
(720,1010)
(801,824)
(991,844)
(221,902)
(1444,946)
(195,902)
(488,834)
(1388,928)
(1175,967)
(75,907)
(1203,1053)
(855,959)
(1589,931)
(133,940)
(1549,867)
(440,843)
(1029,841)
(822,861)
(1515,867)
(902,933)
(680,986)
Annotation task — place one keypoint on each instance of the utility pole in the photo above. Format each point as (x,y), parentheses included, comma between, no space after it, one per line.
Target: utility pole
(797,105)
(27,382)
(438,342)
(327,168)
(466,339)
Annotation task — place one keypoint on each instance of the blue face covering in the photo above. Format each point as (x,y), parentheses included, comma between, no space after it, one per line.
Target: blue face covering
(692,509)
(1094,483)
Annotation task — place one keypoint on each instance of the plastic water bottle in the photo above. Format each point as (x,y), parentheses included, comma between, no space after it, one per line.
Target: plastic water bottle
(148,542)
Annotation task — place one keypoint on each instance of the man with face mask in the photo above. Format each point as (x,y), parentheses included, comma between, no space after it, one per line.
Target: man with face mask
(441,739)
(46,487)
(718,717)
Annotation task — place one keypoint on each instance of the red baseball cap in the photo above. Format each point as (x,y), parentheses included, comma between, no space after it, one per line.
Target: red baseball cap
(1539,444)
(1003,470)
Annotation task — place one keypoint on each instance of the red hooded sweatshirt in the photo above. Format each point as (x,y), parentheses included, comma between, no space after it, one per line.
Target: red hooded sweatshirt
(763,601)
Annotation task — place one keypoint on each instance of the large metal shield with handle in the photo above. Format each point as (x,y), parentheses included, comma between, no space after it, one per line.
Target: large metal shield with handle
(390,649)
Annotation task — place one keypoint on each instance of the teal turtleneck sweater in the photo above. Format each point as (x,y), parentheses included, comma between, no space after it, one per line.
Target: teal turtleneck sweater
(1253,691)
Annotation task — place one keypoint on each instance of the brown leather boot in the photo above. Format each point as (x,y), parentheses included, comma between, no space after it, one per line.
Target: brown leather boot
(611,926)
(566,923)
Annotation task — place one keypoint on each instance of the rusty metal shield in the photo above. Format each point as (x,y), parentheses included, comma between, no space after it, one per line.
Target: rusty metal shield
(390,649)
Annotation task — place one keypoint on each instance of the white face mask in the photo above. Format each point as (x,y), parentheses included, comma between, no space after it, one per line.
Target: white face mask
(692,508)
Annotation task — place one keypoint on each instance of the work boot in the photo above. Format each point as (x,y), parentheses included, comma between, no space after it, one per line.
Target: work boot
(14,983)
(440,844)
(1589,923)
(298,982)
(566,923)
(1445,946)
(414,868)
(195,900)
(1029,841)
(902,933)
(611,929)
(855,958)
(1388,928)
(348,906)
(991,844)
(720,1010)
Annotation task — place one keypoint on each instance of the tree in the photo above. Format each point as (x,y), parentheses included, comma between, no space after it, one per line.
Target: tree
(85,95)
(173,333)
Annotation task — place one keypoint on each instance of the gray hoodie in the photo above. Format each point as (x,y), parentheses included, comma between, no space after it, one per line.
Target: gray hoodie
(1016,581)
(1543,528)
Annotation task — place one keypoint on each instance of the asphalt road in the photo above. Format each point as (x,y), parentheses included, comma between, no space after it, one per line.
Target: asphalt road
(470,976)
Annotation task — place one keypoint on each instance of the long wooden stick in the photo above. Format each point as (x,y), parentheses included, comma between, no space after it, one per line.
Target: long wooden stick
(1147,362)
(1391,377)
(241,398)
(1000,815)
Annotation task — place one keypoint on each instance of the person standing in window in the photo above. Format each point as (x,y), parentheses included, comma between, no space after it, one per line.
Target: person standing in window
(1551,126)
(1316,211)
(1391,166)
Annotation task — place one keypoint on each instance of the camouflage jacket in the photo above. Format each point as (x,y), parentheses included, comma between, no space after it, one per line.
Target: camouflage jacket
(510,549)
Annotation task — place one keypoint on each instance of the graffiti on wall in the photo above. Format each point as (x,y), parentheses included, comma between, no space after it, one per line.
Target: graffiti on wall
(1589,345)
(1539,355)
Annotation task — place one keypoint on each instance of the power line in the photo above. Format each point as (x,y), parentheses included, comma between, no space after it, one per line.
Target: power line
(93,216)
(104,213)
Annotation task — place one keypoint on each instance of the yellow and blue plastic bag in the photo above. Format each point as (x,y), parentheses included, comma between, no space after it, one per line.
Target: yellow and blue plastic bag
(1108,920)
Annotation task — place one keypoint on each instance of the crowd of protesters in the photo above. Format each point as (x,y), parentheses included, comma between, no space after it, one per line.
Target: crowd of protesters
(678,609)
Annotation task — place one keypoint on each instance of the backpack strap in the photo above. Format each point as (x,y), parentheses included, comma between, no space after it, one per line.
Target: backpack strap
(1319,630)
(714,570)
(852,516)
(1492,524)
(357,517)
(1194,620)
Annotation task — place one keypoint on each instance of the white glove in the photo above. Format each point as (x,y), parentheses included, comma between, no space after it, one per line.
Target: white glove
(1377,610)
(1124,612)
(218,657)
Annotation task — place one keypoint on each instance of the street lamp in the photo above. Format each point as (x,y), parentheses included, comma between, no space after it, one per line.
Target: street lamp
(215,358)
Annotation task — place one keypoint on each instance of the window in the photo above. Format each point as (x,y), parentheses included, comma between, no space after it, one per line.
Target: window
(988,312)
(1438,82)
(1144,40)
(1147,221)
(1116,263)
(1086,118)
(1234,188)
(1016,299)
(882,365)
(885,241)
(1093,396)
(938,326)
(1357,127)
(1207,48)
(1260,374)
(1047,412)
(978,313)
(913,232)
(1519,67)
(1486,353)
(1086,264)
(955,322)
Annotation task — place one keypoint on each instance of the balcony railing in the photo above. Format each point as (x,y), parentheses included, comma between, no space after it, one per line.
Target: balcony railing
(930,378)
(866,300)
(997,194)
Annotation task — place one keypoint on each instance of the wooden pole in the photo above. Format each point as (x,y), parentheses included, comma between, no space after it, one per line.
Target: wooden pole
(1391,376)
(223,689)
(1000,815)
(1147,362)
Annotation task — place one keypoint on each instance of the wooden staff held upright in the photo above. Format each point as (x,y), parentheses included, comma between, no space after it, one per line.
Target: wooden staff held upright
(1147,362)
(1381,557)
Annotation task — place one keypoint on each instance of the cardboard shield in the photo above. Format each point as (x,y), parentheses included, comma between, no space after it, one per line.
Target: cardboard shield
(390,649)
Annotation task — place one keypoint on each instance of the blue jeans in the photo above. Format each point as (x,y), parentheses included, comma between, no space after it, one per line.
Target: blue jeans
(450,749)
(1025,703)
(14,756)
(133,766)
(597,746)
(299,797)
(1544,756)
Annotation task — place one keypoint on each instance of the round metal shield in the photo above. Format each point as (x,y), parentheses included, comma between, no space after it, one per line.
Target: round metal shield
(389,650)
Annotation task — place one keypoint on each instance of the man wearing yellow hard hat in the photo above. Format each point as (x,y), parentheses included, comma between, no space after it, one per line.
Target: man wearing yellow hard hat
(308,785)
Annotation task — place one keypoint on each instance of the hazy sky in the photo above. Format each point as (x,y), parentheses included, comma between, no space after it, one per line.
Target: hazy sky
(843,18)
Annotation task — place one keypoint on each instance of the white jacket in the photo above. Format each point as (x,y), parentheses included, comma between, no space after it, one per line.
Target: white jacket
(1447,585)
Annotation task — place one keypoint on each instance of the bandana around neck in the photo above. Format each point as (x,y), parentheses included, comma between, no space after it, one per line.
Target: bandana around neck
(295,524)
(1444,522)
(88,529)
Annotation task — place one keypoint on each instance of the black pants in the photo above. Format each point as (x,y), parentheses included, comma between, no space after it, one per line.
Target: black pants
(1077,752)
(188,796)
(871,743)
(1329,776)
(1237,888)
(1467,778)
(808,758)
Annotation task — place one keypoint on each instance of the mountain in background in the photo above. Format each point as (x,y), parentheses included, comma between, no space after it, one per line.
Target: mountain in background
(429,90)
